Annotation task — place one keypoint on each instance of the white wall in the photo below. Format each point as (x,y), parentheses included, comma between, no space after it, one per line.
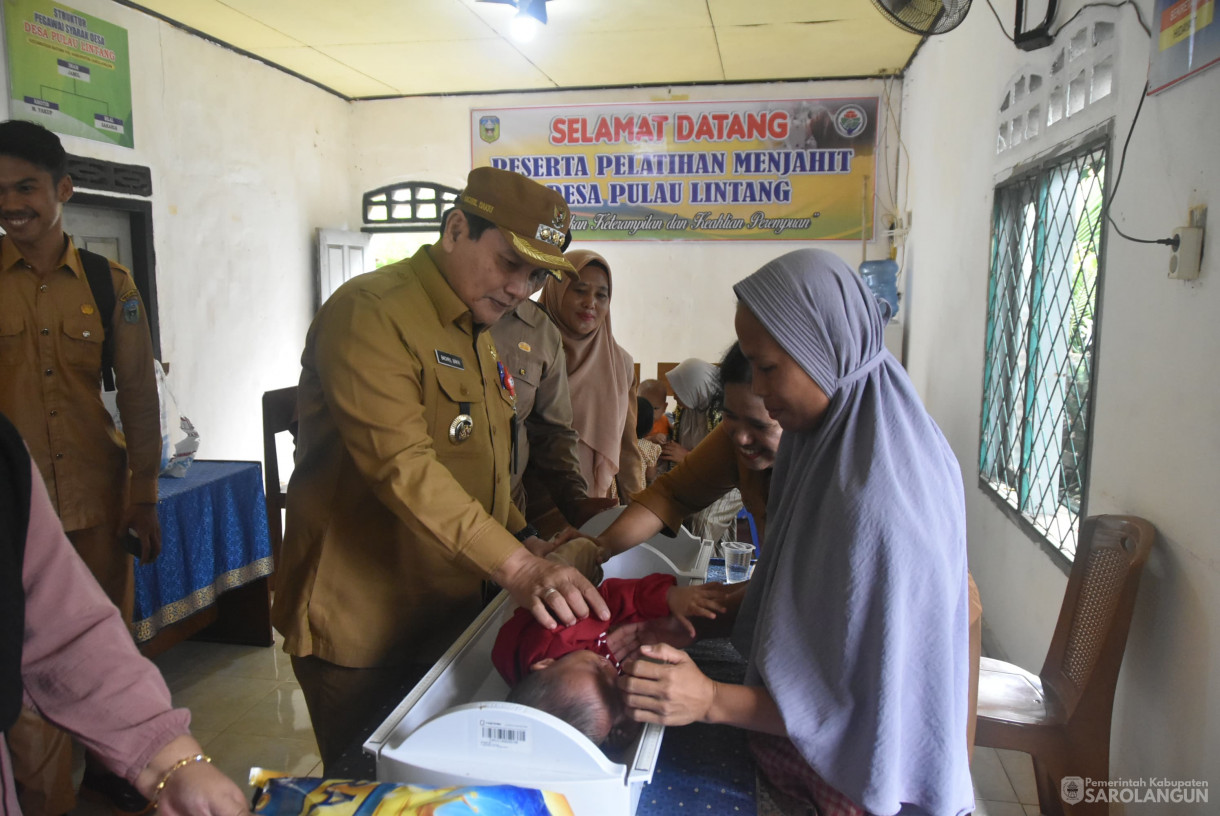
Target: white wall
(672,300)
(246,162)
(1155,439)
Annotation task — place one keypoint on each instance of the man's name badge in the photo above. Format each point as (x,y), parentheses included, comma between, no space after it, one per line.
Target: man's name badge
(461,428)
(450,360)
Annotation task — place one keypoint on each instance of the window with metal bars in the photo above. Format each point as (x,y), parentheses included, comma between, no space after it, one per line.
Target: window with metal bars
(1042,334)
(413,206)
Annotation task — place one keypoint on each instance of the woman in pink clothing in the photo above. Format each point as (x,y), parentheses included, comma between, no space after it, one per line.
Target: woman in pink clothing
(600,375)
(65,650)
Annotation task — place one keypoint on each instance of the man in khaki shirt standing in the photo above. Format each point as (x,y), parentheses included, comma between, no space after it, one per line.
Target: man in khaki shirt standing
(102,482)
(400,505)
(546,465)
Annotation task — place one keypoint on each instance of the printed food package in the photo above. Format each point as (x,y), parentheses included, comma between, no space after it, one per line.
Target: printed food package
(280,795)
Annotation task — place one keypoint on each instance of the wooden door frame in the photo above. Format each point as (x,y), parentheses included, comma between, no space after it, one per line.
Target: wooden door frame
(143,252)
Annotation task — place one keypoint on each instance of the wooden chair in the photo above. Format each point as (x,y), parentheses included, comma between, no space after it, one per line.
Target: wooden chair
(1061,716)
(279,414)
(662,370)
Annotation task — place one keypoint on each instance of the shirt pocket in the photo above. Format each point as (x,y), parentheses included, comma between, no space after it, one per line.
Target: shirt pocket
(528,376)
(82,342)
(12,341)
(530,371)
(458,389)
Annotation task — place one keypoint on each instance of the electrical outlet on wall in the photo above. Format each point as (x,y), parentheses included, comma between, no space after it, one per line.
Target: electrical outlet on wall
(1185,260)
(1187,256)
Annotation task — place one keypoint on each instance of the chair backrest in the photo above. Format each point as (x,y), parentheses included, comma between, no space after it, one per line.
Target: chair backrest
(662,370)
(279,414)
(1091,635)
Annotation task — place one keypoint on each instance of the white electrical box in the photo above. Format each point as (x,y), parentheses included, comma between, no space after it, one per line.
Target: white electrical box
(1185,261)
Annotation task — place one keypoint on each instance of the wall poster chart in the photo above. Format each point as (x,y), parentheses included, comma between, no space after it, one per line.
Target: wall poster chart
(67,71)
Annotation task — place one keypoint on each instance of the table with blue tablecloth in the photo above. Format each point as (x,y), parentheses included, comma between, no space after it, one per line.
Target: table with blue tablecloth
(213,540)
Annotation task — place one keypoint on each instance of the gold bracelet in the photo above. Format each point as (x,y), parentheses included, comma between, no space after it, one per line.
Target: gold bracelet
(182,763)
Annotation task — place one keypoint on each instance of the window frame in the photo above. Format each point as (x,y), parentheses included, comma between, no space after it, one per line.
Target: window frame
(413,224)
(1097,139)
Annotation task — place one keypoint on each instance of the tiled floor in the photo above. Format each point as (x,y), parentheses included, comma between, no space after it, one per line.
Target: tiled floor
(246,706)
(1003,783)
(247,709)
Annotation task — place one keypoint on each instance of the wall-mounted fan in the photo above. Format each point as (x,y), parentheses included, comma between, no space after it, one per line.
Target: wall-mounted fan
(924,17)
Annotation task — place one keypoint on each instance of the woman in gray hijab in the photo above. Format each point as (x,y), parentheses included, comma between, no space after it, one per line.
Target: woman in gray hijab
(855,624)
(700,396)
(696,387)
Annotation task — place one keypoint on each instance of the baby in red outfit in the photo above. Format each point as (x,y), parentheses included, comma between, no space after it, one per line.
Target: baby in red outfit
(570,672)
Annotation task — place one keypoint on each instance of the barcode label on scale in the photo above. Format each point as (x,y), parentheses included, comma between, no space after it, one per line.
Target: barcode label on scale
(503,736)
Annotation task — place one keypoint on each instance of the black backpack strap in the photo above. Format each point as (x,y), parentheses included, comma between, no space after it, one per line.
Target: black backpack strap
(97,272)
(14,525)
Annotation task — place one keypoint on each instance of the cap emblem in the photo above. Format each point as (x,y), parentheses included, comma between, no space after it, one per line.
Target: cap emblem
(558,218)
(550,235)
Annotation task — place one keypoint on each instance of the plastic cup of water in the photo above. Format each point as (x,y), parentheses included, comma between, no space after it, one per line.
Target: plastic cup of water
(737,555)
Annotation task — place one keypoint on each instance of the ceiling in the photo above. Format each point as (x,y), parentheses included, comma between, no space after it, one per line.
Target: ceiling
(376,48)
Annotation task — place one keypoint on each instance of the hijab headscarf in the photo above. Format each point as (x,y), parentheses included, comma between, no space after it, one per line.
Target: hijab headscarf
(859,624)
(599,377)
(695,383)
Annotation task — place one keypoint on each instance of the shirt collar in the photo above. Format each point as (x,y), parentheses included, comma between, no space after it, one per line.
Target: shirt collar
(10,257)
(530,313)
(449,307)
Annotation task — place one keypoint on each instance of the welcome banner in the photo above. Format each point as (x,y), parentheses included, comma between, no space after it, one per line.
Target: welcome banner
(758,170)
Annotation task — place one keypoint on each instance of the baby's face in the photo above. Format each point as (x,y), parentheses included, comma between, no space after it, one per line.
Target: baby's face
(594,678)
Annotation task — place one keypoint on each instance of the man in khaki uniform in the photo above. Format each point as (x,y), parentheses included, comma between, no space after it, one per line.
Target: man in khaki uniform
(400,504)
(531,348)
(51,337)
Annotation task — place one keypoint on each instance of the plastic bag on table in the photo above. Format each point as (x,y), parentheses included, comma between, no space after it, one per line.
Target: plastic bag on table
(179,439)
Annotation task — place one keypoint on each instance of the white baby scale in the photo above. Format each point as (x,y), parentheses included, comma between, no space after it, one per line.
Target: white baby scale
(454,728)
